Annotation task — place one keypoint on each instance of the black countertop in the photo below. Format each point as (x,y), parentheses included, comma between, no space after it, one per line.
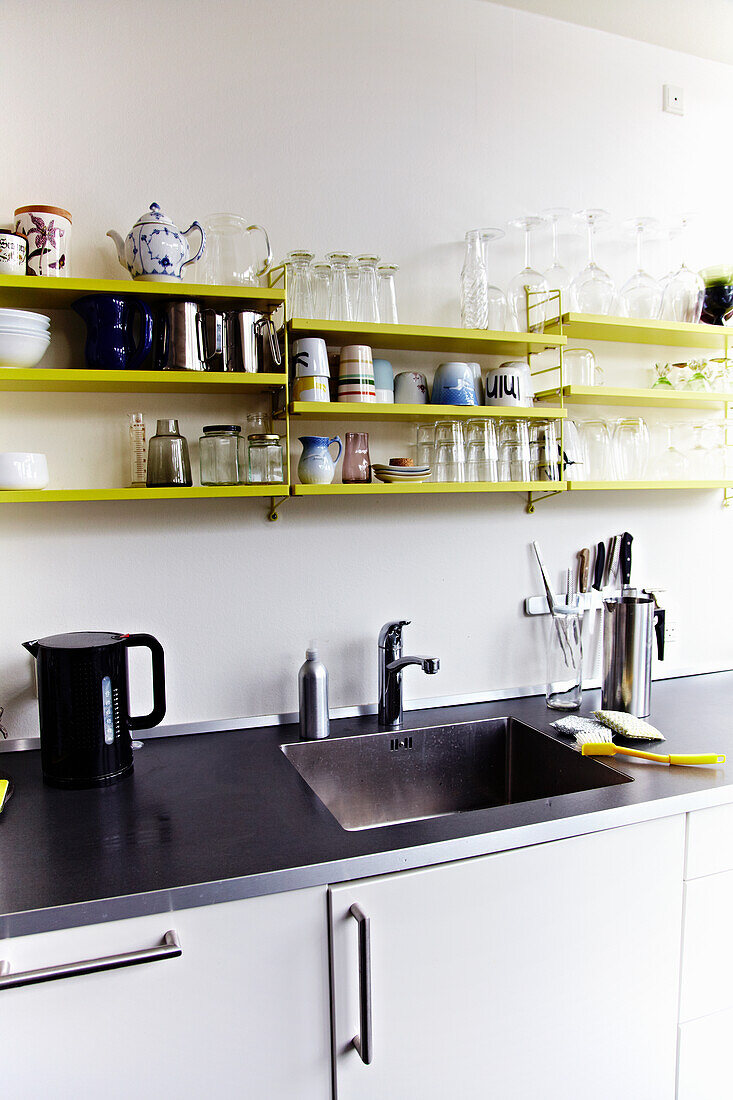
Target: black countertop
(222,816)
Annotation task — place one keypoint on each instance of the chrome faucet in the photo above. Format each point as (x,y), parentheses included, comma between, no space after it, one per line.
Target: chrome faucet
(391,664)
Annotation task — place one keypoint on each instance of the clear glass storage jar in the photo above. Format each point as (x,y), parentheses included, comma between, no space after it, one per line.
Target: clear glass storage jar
(265,460)
(222,455)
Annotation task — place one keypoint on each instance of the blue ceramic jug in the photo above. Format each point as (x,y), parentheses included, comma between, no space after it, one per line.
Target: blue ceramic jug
(316,467)
(111,343)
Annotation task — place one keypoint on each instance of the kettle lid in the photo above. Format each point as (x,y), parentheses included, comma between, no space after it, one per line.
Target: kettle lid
(80,639)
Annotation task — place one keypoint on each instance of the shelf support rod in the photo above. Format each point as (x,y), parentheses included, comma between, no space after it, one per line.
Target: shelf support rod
(275,503)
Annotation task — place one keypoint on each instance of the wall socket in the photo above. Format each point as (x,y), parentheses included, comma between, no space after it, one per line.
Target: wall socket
(673,99)
(671,632)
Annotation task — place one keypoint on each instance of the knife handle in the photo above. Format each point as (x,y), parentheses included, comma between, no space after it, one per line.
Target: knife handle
(625,557)
(599,566)
(584,569)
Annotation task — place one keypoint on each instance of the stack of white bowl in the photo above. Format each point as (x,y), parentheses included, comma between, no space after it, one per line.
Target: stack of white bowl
(24,337)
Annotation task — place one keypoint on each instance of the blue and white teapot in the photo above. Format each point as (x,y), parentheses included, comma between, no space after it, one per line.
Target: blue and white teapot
(156,250)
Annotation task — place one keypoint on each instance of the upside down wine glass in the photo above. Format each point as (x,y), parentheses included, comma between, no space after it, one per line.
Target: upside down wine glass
(593,288)
(558,277)
(684,290)
(641,295)
(528,290)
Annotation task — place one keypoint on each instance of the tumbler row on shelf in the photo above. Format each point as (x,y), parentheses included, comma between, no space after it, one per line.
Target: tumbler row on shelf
(226,457)
(682,295)
(341,287)
(630,449)
(362,378)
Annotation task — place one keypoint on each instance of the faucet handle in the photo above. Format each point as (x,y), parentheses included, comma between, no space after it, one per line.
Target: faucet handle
(391,633)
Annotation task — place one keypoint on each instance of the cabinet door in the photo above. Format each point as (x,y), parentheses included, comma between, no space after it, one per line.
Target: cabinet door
(243,1012)
(548,971)
(704,1066)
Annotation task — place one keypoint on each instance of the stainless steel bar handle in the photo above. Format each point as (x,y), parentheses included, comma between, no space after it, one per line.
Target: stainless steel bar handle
(363,1041)
(170,948)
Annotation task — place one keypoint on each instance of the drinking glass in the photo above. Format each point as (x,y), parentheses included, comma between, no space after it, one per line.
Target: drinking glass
(631,448)
(529,288)
(451,431)
(367,306)
(684,290)
(641,295)
(482,462)
(661,376)
(474,284)
(596,439)
(485,433)
(671,461)
(424,444)
(514,462)
(545,450)
(387,298)
(450,465)
(697,376)
(339,302)
(321,286)
(593,289)
(496,303)
(300,292)
(574,461)
(564,659)
(514,431)
(580,369)
(557,276)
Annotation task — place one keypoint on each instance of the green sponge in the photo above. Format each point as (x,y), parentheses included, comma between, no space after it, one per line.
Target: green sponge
(628,726)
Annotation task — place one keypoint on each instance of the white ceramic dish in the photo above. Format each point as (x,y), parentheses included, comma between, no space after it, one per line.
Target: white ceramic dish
(23,318)
(22,349)
(23,470)
(397,479)
(400,469)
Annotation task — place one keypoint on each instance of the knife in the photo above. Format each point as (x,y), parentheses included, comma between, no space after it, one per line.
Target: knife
(584,570)
(599,566)
(625,558)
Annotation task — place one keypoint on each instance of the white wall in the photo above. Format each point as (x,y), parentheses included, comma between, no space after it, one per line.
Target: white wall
(380,125)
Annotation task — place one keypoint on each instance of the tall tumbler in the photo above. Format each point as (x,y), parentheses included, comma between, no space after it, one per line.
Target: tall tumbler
(629,623)
(564,658)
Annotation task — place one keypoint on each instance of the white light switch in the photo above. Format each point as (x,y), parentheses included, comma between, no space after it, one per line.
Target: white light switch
(672,99)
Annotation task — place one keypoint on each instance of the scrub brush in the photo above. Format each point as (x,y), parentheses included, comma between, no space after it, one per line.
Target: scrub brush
(600,744)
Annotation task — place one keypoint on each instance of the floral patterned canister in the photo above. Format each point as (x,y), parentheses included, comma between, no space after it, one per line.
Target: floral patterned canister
(13,250)
(48,229)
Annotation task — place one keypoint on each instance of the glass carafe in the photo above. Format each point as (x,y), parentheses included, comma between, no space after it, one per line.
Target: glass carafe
(356,468)
(387,299)
(474,285)
(168,461)
(232,255)
(300,292)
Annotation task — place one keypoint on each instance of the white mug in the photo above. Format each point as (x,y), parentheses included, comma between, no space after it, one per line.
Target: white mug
(13,252)
(410,388)
(509,384)
(310,358)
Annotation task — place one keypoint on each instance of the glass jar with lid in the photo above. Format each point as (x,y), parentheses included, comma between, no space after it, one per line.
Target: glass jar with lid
(265,459)
(222,455)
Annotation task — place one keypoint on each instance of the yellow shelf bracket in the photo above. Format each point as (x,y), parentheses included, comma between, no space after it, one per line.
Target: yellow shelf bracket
(535,498)
(275,503)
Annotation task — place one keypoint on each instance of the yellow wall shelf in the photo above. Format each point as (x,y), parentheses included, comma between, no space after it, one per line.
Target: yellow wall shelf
(627,330)
(426,338)
(356,410)
(22,496)
(135,381)
(44,292)
(376,488)
(623,486)
(661,397)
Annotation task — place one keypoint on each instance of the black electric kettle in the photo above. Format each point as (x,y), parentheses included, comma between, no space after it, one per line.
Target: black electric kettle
(83,705)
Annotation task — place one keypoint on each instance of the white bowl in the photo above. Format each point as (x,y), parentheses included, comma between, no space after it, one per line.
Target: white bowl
(23,318)
(23,470)
(22,349)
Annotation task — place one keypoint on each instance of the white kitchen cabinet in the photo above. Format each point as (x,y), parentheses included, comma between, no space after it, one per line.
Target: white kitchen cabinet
(548,971)
(704,1066)
(707,963)
(242,1012)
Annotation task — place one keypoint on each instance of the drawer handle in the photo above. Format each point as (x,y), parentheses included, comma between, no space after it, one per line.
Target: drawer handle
(363,1041)
(170,948)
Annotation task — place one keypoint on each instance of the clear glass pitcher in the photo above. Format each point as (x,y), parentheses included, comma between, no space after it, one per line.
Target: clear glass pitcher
(234,254)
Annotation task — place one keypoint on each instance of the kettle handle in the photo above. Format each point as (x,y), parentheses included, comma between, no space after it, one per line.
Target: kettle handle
(659,617)
(157,714)
(267,325)
(145,342)
(268,250)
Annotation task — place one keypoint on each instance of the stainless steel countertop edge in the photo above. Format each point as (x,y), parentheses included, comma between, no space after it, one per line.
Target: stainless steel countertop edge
(365,866)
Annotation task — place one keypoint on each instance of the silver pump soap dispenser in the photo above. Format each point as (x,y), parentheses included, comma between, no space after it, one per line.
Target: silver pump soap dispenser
(313,698)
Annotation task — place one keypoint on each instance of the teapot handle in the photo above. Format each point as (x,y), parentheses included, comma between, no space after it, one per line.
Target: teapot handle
(268,259)
(336,439)
(199,254)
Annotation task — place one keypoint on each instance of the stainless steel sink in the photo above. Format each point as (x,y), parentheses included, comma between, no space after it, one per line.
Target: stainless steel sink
(386,778)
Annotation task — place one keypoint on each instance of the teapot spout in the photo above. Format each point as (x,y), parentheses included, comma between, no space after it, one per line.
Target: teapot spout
(32,647)
(120,245)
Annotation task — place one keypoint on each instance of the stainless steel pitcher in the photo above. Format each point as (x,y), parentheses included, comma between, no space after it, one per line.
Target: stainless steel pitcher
(251,342)
(629,623)
(179,342)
